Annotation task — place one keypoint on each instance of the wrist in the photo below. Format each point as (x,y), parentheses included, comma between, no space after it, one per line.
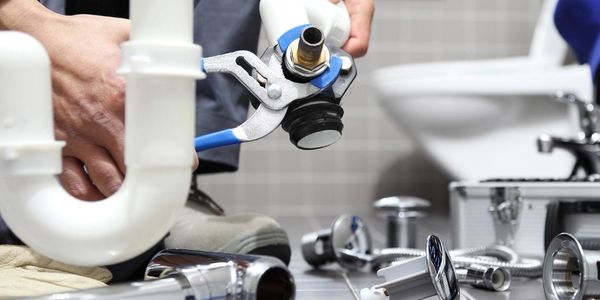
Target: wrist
(23,15)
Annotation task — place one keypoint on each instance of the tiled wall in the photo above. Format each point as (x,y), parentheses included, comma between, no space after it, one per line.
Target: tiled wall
(375,158)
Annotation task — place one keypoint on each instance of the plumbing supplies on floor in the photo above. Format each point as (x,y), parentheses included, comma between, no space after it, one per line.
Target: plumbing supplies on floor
(298,82)
(348,243)
(401,214)
(579,218)
(570,272)
(510,212)
(196,275)
(419,278)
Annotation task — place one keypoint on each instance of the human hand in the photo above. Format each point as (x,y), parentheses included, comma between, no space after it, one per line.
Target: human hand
(361,15)
(88,101)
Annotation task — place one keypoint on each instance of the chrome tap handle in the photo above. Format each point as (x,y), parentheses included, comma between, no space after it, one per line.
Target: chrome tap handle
(589,118)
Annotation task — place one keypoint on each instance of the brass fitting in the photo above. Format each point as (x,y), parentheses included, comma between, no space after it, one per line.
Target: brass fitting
(308,56)
(308,50)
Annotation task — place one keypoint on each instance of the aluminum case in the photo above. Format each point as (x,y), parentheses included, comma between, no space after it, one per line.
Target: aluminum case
(510,212)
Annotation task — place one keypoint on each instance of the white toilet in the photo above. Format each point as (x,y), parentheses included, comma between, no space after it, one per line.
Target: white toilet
(480,119)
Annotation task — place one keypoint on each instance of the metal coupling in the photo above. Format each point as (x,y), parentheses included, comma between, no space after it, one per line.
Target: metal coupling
(401,215)
(506,209)
(308,57)
(347,235)
(422,277)
(495,279)
(570,272)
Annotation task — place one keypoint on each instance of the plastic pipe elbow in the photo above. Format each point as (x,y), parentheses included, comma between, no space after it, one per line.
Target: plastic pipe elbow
(105,232)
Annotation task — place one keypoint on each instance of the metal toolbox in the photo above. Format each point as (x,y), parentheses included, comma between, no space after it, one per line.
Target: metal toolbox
(509,212)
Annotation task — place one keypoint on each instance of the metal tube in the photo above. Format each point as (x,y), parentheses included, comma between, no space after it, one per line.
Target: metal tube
(310,47)
(495,279)
(401,232)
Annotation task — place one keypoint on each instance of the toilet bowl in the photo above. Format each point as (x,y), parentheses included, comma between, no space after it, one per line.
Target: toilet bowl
(480,119)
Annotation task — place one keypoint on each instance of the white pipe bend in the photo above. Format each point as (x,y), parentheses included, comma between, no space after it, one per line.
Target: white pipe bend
(105,232)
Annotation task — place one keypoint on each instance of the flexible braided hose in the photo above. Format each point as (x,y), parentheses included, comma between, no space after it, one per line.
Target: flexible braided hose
(488,256)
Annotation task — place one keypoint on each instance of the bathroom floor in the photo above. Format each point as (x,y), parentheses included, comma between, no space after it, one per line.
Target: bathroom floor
(329,283)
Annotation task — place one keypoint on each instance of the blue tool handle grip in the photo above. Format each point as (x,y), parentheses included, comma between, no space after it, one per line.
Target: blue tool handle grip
(215,139)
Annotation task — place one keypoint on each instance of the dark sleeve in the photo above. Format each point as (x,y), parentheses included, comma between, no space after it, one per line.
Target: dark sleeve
(223,26)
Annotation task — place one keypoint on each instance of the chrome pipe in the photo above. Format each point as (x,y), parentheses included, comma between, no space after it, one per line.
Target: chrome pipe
(495,279)
(195,275)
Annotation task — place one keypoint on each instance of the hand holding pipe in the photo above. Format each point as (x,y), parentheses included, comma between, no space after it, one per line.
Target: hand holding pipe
(160,62)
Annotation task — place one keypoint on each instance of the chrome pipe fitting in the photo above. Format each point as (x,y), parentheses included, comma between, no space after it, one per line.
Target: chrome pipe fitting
(401,215)
(422,277)
(506,209)
(495,279)
(570,272)
(347,234)
(221,275)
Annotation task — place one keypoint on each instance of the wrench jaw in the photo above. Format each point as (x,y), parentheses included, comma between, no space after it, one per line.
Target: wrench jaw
(271,89)
(262,122)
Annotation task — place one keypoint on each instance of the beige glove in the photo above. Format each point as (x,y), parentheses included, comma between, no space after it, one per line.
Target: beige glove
(26,273)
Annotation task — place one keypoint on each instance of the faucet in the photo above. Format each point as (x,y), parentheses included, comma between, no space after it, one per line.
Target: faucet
(586,146)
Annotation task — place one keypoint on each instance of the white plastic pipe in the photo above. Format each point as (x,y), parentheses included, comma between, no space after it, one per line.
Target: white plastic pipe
(279,16)
(332,19)
(161,65)
(548,46)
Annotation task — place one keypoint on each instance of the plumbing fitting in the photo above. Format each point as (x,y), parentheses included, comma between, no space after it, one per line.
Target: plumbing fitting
(196,275)
(506,208)
(401,215)
(570,272)
(496,279)
(307,56)
(347,234)
(422,277)
(586,147)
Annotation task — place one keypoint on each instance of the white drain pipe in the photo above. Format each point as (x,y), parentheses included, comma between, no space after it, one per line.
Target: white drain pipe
(161,64)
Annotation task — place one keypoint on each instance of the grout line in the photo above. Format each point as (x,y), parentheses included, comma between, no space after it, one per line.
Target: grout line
(350,286)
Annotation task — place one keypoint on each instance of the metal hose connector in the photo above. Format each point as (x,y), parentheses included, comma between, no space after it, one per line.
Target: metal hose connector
(525,268)
(500,252)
